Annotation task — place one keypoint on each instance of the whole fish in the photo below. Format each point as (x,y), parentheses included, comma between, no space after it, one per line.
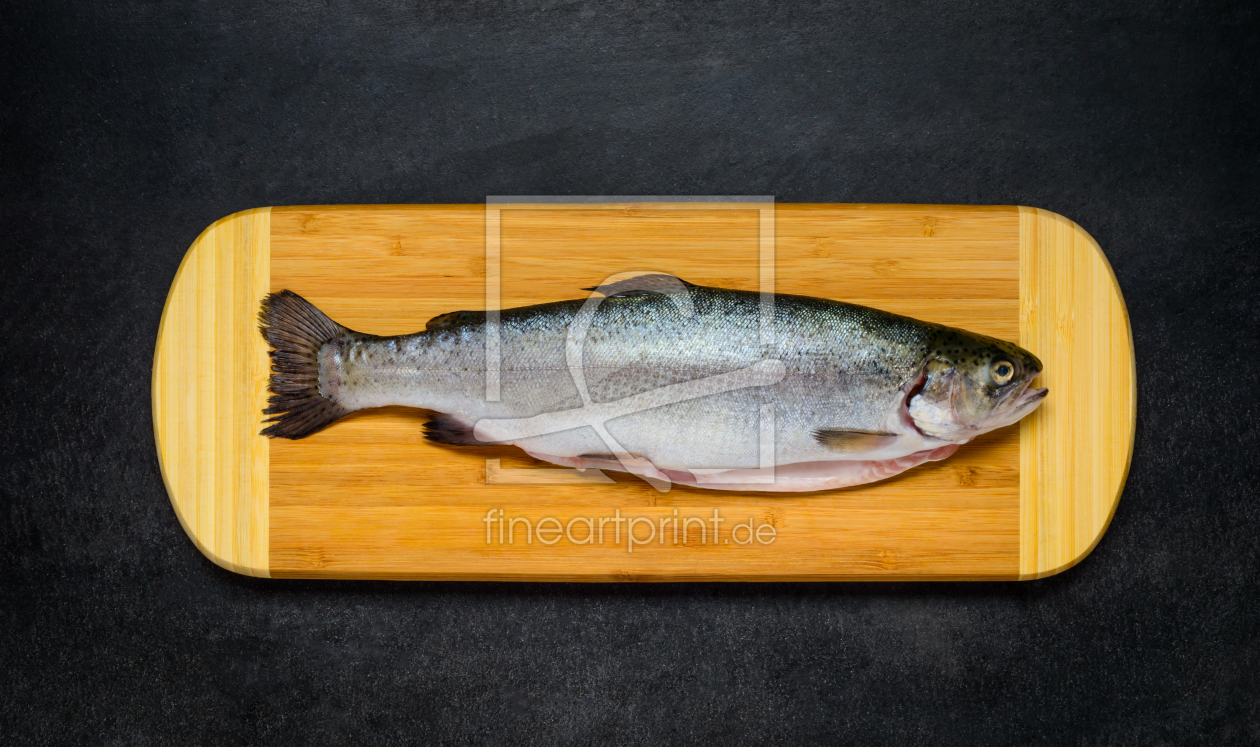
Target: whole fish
(675,382)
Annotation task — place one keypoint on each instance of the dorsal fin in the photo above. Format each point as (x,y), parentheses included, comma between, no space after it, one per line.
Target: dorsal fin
(452,319)
(643,285)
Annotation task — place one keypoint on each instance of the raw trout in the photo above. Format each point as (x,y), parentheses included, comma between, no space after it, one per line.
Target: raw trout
(674,382)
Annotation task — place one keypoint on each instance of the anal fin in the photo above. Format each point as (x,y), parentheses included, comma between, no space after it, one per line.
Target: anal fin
(443,428)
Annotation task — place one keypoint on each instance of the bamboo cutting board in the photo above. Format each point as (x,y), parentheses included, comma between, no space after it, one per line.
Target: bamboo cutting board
(370,498)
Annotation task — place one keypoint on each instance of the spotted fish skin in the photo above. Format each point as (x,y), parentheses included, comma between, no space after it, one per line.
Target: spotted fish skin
(844,377)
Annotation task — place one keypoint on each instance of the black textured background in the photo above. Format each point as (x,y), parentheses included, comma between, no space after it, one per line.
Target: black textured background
(129,127)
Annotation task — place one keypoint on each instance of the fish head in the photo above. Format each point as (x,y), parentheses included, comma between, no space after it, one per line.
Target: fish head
(971,384)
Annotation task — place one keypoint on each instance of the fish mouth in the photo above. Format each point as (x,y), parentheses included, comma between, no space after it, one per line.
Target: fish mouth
(1030,396)
(1013,409)
(1024,403)
(1022,395)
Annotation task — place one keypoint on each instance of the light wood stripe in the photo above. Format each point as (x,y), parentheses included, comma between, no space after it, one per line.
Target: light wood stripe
(210,371)
(1076,448)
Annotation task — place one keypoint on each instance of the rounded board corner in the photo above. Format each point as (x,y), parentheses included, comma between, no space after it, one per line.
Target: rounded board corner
(209,384)
(1075,451)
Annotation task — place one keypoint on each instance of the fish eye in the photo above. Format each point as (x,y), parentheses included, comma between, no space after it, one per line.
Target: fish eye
(1001,372)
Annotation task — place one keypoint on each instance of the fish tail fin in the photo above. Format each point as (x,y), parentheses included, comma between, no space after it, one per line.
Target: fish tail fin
(297,330)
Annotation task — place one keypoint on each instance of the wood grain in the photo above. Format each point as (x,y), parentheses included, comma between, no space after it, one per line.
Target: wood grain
(210,372)
(370,498)
(1076,448)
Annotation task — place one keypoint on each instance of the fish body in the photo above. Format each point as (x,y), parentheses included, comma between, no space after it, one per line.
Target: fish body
(675,382)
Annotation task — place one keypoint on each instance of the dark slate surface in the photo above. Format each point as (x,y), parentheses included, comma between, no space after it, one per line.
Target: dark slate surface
(128,127)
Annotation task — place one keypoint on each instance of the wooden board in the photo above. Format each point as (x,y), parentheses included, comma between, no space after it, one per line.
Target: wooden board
(369,498)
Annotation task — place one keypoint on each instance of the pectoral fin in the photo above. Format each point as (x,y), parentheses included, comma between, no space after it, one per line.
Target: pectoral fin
(611,457)
(853,441)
